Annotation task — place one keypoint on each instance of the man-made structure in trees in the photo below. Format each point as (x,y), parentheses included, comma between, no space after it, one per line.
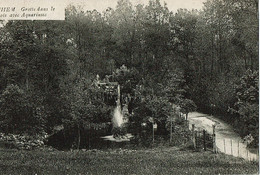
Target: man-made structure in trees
(110,90)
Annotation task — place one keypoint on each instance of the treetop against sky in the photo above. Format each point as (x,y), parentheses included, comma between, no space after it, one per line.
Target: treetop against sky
(173,5)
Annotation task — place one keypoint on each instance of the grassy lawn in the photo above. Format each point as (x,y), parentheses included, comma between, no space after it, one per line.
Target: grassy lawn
(151,161)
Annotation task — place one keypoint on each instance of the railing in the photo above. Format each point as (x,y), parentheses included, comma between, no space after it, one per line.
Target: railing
(236,148)
(202,140)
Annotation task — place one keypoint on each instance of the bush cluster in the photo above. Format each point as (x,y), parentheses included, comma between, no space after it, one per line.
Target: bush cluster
(22,142)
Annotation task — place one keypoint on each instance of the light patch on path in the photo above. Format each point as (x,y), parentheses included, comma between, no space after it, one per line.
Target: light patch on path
(227,141)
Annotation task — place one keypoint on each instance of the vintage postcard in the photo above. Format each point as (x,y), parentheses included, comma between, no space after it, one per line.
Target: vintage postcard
(129,87)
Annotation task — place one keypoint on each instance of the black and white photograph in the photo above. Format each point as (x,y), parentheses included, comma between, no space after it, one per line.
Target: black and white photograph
(129,87)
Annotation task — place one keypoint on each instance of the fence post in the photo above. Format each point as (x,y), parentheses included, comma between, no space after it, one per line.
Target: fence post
(214,139)
(171,131)
(224,146)
(231,147)
(238,148)
(153,133)
(257,154)
(196,139)
(204,140)
(193,136)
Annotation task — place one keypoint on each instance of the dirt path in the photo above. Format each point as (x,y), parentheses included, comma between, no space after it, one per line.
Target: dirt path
(227,141)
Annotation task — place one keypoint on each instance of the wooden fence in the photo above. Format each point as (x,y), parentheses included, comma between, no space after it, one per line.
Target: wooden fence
(237,148)
(203,140)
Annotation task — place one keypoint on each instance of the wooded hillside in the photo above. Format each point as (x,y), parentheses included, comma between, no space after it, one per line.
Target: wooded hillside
(208,57)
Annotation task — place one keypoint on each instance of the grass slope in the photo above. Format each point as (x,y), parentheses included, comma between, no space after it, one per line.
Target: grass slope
(150,161)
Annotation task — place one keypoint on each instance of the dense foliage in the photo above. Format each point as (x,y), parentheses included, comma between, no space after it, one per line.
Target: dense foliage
(194,59)
(247,106)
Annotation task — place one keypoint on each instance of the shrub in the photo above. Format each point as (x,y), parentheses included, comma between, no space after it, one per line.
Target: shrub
(22,141)
(180,132)
(19,112)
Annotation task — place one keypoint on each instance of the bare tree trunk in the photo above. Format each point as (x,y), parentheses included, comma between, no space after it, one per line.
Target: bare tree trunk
(212,55)
(78,136)
(245,62)
(171,131)
(252,64)
(27,75)
(27,81)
